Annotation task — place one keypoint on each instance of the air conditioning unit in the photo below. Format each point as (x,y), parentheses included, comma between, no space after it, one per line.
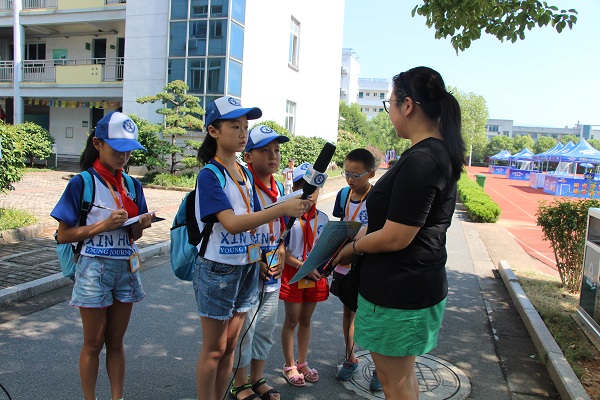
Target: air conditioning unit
(343,92)
(344,71)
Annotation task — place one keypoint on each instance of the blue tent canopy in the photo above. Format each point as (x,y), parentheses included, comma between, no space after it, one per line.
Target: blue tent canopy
(523,155)
(544,156)
(501,156)
(582,152)
(556,156)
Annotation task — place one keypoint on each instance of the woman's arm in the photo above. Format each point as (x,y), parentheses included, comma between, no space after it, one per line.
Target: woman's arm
(392,237)
(241,223)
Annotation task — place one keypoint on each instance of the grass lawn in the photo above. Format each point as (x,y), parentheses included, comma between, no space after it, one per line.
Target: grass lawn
(11,218)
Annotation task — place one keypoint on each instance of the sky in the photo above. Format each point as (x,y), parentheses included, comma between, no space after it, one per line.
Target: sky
(548,79)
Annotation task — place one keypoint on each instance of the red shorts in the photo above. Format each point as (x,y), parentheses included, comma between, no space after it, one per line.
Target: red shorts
(291,293)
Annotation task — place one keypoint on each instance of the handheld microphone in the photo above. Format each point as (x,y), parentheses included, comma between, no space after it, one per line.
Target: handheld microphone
(314,178)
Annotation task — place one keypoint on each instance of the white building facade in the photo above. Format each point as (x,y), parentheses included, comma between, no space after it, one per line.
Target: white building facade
(66,63)
(349,76)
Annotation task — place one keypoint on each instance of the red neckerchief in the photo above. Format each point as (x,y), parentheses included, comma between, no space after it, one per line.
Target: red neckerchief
(272,192)
(307,232)
(116,182)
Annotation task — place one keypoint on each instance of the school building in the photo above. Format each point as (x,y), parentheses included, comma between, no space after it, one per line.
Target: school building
(64,64)
(495,127)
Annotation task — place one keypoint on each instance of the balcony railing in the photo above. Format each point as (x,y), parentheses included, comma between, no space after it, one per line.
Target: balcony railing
(33,4)
(115,1)
(6,71)
(45,70)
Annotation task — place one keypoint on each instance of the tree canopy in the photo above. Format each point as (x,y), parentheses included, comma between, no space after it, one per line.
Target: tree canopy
(505,19)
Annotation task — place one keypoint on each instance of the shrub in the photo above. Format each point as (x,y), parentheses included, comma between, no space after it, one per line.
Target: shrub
(479,205)
(35,141)
(564,223)
(11,166)
(11,218)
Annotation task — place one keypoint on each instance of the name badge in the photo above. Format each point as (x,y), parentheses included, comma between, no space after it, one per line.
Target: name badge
(272,259)
(306,284)
(254,254)
(134,262)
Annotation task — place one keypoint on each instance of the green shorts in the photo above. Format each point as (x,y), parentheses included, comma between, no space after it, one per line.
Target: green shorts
(397,333)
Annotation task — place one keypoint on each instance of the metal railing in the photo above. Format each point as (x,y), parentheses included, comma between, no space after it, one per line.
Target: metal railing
(45,70)
(5,5)
(114,1)
(32,4)
(7,69)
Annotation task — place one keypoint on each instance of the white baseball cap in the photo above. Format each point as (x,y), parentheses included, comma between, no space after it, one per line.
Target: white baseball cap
(119,131)
(229,108)
(262,135)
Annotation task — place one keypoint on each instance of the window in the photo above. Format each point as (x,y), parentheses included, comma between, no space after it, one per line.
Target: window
(218,8)
(236,46)
(294,43)
(199,9)
(381,110)
(382,96)
(215,77)
(375,94)
(197,41)
(367,109)
(217,38)
(360,95)
(290,116)
(195,79)
(35,51)
(238,10)
(179,9)
(177,39)
(493,128)
(368,94)
(176,70)
(234,85)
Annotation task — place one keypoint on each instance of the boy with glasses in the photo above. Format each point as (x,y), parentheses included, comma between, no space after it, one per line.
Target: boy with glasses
(350,205)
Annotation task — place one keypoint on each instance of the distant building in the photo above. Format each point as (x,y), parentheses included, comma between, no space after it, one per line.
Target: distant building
(369,93)
(495,127)
(67,63)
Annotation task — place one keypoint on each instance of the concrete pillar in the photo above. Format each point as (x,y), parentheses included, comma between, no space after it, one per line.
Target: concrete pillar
(18,44)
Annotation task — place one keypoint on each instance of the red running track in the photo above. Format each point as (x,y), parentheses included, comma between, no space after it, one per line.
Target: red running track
(519,203)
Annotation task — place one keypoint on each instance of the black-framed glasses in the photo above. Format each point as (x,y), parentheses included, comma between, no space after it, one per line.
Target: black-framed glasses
(386,104)
(353,176)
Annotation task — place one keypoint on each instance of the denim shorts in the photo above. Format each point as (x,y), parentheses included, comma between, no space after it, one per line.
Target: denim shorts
(222,289)
(99,281)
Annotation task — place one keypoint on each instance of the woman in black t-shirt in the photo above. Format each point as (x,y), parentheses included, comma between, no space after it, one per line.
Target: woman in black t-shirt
(403,285)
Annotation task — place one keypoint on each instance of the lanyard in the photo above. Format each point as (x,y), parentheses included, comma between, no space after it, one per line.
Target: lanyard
(271,224)
(315,224)
(359,204)
(246,199)
(112,192)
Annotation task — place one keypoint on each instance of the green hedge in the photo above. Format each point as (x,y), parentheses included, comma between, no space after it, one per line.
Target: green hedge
(479,205)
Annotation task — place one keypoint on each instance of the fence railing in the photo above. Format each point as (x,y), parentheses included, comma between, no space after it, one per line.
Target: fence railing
(7,70)
(32,4)
(45,70)
(114,1)
(5,5)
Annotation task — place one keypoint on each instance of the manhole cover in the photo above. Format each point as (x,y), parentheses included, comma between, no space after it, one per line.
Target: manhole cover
(438,379)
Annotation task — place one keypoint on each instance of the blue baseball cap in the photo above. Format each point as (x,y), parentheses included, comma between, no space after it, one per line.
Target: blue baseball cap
(119,131)
(262,135)
(229,108)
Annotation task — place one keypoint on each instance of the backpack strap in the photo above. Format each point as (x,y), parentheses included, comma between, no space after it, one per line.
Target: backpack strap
(280,187)
(344,193)
(130,186)
(87,199)
(205,234)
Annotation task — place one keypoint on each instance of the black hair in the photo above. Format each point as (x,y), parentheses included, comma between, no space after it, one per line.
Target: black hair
(208,149)
(364,156)
(90,153)
(299,184)
(426,86)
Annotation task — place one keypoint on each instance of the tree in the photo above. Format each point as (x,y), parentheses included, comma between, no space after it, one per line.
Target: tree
(35,141)
(346,142)
(497,144)
(352,119)
(11,166)
(569,138)
(474,115)
(544,143)
(506,20)
(480,142)
(521,142)
(156,147)
(180,111)
(380,131)
(595,143)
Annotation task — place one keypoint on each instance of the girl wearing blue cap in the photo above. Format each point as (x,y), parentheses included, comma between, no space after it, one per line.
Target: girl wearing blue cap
(225,278)
(107,280)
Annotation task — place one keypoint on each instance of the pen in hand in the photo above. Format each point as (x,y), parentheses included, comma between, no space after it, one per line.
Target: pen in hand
(103,207)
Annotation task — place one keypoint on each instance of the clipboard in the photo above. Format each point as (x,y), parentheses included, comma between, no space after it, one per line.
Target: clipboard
(330,242)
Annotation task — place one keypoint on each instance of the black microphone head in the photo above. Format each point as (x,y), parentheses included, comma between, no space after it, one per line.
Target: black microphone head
(324,157)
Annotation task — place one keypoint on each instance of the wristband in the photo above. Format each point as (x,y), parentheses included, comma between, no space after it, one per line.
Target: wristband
(354,248)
